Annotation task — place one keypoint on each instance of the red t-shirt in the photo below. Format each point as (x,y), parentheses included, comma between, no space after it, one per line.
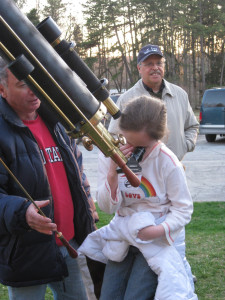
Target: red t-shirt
(63,204)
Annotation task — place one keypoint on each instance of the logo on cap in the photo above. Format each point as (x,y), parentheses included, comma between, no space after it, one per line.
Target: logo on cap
(152,49)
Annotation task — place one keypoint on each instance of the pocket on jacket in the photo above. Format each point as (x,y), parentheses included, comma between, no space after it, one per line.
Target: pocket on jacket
(6,252)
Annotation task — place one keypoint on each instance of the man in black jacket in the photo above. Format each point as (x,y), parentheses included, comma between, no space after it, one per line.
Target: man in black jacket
(49,165)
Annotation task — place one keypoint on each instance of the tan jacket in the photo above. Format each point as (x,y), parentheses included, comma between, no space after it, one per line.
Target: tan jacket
(181,121)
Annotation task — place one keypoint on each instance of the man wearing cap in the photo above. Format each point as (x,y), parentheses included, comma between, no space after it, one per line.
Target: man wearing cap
(181,121)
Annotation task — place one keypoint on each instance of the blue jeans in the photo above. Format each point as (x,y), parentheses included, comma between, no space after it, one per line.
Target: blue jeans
(130,279)
(71,288)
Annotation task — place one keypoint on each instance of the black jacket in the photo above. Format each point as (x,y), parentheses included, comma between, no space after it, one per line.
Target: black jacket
(28,257)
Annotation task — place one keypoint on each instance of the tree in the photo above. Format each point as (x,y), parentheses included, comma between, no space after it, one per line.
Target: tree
(190,32)
(33,16)
(56,9)
(20,3)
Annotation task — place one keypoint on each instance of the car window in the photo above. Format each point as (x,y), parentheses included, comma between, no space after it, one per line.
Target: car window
(214,98)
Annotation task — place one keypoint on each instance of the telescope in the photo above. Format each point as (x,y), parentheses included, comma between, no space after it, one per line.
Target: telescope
(67,88)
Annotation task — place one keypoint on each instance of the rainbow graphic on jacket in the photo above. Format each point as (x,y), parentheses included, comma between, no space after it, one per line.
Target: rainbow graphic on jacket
(147,187)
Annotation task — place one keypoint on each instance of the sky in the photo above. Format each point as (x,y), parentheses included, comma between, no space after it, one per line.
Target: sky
(76,6)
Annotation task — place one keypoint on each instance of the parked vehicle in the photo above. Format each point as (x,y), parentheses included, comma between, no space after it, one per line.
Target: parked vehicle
(212,114)
(115,97)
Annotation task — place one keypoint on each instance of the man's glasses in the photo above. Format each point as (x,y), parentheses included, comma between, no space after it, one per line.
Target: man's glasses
(159,64)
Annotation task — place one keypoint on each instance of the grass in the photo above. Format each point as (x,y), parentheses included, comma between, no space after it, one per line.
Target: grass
(205,241)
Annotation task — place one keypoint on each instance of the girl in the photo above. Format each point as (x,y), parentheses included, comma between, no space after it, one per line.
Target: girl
(151,216)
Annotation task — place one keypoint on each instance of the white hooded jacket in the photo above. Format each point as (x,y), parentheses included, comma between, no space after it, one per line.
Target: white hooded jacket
(162,198)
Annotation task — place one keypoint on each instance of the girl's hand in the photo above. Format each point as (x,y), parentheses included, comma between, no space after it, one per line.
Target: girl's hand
(151,232)
(127,150)
(112,176)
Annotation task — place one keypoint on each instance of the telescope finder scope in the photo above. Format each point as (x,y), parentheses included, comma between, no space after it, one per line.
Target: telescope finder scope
(51,32)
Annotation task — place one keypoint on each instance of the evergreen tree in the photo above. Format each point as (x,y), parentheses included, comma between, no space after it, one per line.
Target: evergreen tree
(33,16)
(56,9)
(20,3)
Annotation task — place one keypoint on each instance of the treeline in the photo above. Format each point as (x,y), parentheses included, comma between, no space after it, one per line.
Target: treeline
(191,34)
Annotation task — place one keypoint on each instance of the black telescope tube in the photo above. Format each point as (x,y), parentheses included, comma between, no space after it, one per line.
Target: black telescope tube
(20,37)
(21,67)
(51,32)
(78,65)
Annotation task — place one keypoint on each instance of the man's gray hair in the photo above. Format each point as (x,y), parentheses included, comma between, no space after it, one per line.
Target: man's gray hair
(3,72)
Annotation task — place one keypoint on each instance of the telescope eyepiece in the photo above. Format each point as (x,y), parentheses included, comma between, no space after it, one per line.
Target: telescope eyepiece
(138,154)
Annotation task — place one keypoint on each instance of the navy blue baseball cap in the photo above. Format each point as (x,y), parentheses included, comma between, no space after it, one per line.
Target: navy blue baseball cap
(148,50)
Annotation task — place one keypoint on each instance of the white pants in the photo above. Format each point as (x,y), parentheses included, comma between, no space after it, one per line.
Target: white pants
(113,241)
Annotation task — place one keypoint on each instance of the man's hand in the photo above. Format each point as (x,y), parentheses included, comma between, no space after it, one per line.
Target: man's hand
(38,222)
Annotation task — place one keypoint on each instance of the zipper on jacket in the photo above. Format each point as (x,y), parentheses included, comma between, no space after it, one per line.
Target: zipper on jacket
(64,285)
(58,134)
